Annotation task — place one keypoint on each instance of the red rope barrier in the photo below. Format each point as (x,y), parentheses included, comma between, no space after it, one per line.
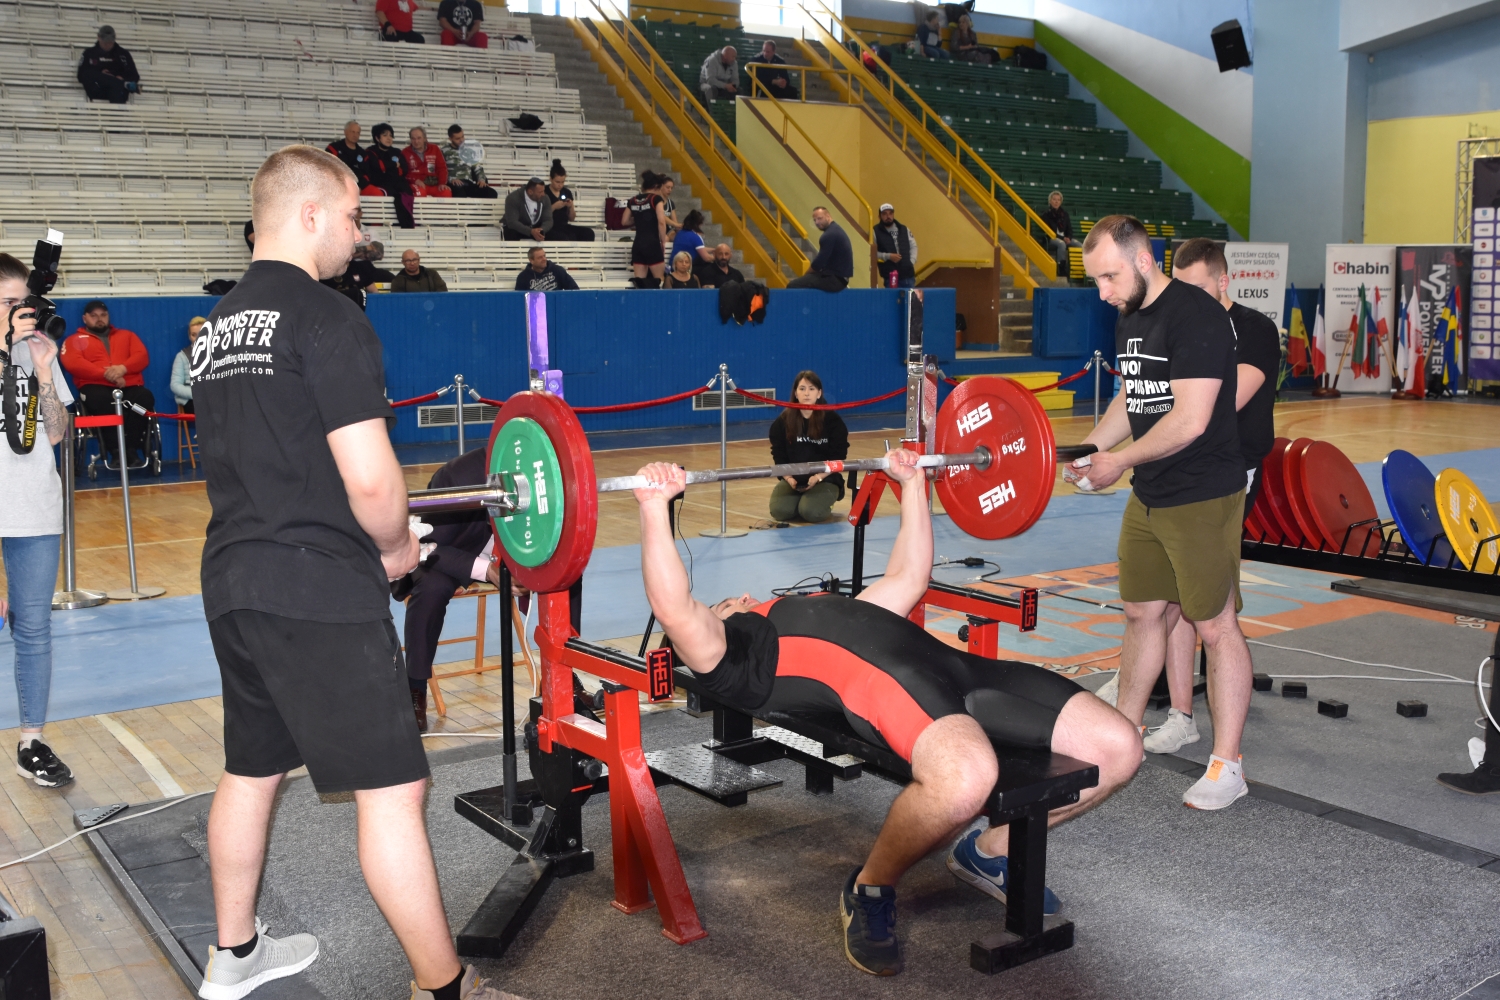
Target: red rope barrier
(106,421)
(622,407)
(819,406)
(1053,385)
(172,416)
(416,399)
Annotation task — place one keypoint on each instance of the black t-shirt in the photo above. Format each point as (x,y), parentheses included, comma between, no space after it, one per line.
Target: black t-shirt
(711,277)
(792,441)
(282,362)
(744,678)
(461,13)
(1258,344)
(1185,333)
(643,212)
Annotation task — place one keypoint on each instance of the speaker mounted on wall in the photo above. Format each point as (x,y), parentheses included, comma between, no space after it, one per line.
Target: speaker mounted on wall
(1229,46)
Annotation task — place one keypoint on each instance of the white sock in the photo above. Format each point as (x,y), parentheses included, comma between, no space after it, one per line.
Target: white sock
(987,857)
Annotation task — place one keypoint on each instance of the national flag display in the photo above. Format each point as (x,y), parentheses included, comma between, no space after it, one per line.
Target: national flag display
(1296,340)
(1319,340)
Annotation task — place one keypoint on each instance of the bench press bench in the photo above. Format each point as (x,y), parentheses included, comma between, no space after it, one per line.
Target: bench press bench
(545,826)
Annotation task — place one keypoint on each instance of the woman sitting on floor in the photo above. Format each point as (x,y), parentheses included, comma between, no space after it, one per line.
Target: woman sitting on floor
(808,436)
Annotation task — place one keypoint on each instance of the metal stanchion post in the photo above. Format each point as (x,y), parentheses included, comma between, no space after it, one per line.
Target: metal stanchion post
(1098,363)
(458,385)
(70,598)
(136,592)
(724,529)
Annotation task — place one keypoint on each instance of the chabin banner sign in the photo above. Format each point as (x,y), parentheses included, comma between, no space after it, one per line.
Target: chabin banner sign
(1360,312)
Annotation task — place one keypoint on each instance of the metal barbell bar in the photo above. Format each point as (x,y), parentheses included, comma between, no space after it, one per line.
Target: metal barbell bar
(504,495)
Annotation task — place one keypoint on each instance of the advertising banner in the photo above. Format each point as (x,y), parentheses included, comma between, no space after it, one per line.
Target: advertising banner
(1482,340)
(1433,288)
(1360,312)
(1257,277)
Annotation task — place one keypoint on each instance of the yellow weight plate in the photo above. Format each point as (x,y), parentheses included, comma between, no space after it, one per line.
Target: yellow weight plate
(1467,520)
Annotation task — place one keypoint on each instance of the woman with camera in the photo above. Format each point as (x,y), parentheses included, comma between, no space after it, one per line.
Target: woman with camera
(30,513)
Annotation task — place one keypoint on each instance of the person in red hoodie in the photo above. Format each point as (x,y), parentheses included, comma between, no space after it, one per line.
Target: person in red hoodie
(102,358)
(426,170)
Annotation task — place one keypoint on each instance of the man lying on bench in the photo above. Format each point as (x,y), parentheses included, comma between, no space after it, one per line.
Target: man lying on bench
(938,707)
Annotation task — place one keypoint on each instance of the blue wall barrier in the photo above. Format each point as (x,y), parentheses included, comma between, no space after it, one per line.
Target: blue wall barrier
(612,347)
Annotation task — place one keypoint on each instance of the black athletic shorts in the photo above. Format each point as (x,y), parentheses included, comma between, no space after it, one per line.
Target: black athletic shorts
(890,678)
(331,696)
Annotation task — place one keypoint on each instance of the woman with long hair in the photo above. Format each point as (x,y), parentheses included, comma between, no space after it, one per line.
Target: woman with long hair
(647,256)
(564,209)
(800,435)
(965,43)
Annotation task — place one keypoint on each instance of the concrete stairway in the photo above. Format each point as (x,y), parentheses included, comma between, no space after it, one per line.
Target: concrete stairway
(628,142)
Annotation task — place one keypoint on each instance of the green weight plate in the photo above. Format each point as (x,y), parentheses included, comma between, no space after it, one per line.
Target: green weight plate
(522,449)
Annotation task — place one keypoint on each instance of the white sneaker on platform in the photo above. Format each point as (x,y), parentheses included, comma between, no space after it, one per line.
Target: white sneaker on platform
(1178,731)
(230,978)
(1110,692)
(470,987)
(1221,784)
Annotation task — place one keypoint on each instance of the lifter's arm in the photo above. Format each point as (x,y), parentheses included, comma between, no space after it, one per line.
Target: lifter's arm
(909,569)
(377,491)
(696,632)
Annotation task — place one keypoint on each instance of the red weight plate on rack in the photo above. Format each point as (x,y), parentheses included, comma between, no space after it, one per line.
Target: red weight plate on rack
(1337,497)
(580,493)
(1281,524)
(1291,470)
(1009,495)
(1260,513)
(1255,528)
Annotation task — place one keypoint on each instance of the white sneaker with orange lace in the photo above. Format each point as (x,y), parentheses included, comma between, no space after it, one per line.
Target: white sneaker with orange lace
(1221,784)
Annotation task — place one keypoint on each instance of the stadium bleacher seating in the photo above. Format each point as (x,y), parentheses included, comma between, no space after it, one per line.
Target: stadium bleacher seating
(685,46)
(152,195)
(1024,125)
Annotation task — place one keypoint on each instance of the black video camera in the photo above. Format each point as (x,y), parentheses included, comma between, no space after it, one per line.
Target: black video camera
(43,277)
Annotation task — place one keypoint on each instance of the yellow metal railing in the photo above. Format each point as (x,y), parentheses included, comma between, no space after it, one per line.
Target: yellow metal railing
(723,178)
(919,123)
(864,221)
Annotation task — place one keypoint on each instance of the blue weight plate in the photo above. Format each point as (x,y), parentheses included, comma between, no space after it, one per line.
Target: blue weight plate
(1409,492)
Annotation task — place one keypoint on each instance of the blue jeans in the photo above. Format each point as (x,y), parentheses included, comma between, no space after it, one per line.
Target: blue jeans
(933,52)
(31,576)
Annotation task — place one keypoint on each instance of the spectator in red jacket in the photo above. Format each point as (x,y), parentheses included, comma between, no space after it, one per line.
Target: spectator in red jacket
(426,170)
(385,173)
(102,358)
(395,20)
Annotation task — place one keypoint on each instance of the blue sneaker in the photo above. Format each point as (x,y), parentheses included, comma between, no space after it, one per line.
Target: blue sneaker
(869,913)
(989,875)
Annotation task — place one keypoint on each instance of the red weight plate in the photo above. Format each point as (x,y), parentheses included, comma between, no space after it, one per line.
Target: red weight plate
(1255,529)
(1007,497)
(1281,524)
(1336,497)
(1260,514)
(580,490)
(1292,472)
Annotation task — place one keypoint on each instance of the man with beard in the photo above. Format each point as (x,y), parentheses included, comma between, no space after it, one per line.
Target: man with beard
(1180,538)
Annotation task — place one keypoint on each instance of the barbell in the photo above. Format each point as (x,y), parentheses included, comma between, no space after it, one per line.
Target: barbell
(995,467)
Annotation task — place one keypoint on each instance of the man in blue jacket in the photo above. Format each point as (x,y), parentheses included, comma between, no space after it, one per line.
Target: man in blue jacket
(832,268)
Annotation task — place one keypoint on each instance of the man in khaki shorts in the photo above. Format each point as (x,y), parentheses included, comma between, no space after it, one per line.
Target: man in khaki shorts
(1180,540)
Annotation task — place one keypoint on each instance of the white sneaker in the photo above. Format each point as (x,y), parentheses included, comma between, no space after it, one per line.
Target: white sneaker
(1178,731)
(470,987)
(1221,784)
(1110,692)
(230,978)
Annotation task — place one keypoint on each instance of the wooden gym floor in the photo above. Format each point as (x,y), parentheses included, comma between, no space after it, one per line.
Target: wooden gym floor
(96,946)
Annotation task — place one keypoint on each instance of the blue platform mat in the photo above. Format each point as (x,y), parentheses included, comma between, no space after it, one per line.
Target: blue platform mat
(123,656)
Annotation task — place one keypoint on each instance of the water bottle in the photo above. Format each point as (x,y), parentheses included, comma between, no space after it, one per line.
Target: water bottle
(894,278)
